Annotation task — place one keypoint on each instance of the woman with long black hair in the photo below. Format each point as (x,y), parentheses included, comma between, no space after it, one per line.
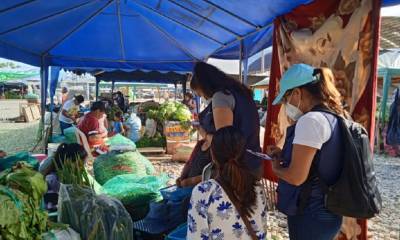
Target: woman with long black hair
(231,104)
(233,205)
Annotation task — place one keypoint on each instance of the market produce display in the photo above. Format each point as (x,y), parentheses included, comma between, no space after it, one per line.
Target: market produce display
(112,164)
(93,217)
(171,111)
(10,161)
(119,140)
(132,189)
(135,192)
(157,141)
(21,192)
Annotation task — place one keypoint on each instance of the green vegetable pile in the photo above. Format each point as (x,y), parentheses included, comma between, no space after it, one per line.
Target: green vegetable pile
(112,164)
(157,141)
(21,192)
(171,111)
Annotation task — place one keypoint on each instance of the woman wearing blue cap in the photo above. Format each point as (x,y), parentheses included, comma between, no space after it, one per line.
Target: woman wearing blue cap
(312,151)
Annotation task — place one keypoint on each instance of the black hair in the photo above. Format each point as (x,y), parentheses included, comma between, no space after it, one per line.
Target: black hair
(80,99)
(227,150)
(118,114)
(72,152)
(99,105)
(209,79)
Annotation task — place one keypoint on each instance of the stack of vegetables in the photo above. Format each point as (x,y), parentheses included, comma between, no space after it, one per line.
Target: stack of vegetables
(93,216)
(128,176)
(21,192)
(168,111)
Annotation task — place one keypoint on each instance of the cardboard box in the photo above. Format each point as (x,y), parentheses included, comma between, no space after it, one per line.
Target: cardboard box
(175,132)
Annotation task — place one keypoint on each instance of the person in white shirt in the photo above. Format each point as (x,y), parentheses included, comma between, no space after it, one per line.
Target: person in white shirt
(69,112)
(313,146)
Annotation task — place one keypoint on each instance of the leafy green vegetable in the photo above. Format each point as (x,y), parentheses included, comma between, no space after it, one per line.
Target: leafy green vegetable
(156,141)
(21,192)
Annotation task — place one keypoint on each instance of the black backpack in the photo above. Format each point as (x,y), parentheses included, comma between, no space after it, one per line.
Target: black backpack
(356,193)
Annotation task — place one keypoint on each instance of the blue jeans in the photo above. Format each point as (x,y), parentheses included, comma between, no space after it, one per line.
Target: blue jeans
(64,126)
(315,224)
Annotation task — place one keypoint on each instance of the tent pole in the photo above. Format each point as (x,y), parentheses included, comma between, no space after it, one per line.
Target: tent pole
(44,77)
(112,87)
(97,89)
(176,91)
(240,61)
(245,71)
(386,84)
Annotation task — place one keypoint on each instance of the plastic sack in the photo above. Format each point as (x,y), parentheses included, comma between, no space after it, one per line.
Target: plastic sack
(10,161)
(150,128)
(112,164)
(132,189)
(59,234)
(135,124)
(93,217)
(70,136)
(119,140)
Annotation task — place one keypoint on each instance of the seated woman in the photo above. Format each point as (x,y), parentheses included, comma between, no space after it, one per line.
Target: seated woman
(71,152)
(192,171)
(225,207)
(90,124)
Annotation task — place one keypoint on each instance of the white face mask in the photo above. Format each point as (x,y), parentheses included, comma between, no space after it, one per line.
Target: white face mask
(293,112)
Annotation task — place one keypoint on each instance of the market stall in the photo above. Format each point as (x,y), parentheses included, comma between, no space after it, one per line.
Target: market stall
(175,36)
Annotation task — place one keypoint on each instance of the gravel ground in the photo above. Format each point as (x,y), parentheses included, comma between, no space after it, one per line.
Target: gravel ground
(16,137)
(22,137)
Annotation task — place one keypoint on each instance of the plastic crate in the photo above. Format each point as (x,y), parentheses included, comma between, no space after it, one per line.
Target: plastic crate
(179,233)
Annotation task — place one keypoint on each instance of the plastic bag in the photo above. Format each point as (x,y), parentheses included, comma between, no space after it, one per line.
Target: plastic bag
(135,124)
(119,140)
(112,164)
(393,131)
(132,189)
(10,161)
(66,234)
(93,217)
(70,136)
(150,128)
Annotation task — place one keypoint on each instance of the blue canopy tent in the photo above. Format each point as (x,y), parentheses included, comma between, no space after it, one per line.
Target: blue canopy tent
(388,67)
(134,34)
(168,35)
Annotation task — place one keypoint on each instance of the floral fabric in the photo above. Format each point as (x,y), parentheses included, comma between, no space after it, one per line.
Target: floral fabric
(212,216)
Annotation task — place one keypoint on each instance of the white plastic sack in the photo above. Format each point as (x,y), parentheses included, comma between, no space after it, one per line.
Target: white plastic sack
(56,122)
(135,125)
(151,128)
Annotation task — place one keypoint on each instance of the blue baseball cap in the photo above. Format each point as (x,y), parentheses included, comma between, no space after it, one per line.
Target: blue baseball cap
(297,75)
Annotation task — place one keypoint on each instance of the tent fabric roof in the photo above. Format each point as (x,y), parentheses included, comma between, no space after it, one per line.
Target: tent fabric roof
(142,77)
(262,83)
(165,35)
(389,60)
(390,33)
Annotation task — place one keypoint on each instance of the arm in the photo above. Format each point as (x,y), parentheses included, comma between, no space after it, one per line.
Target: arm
(297,172)
(223,117)
(189,182)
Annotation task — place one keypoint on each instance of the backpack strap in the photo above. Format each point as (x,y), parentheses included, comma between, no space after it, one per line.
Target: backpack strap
(236,203)
(313,175)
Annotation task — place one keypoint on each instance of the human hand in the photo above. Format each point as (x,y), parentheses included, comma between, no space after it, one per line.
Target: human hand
(274,151)
(178,182)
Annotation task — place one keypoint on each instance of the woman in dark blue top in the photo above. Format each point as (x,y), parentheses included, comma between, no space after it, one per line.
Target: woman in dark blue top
(231,104)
